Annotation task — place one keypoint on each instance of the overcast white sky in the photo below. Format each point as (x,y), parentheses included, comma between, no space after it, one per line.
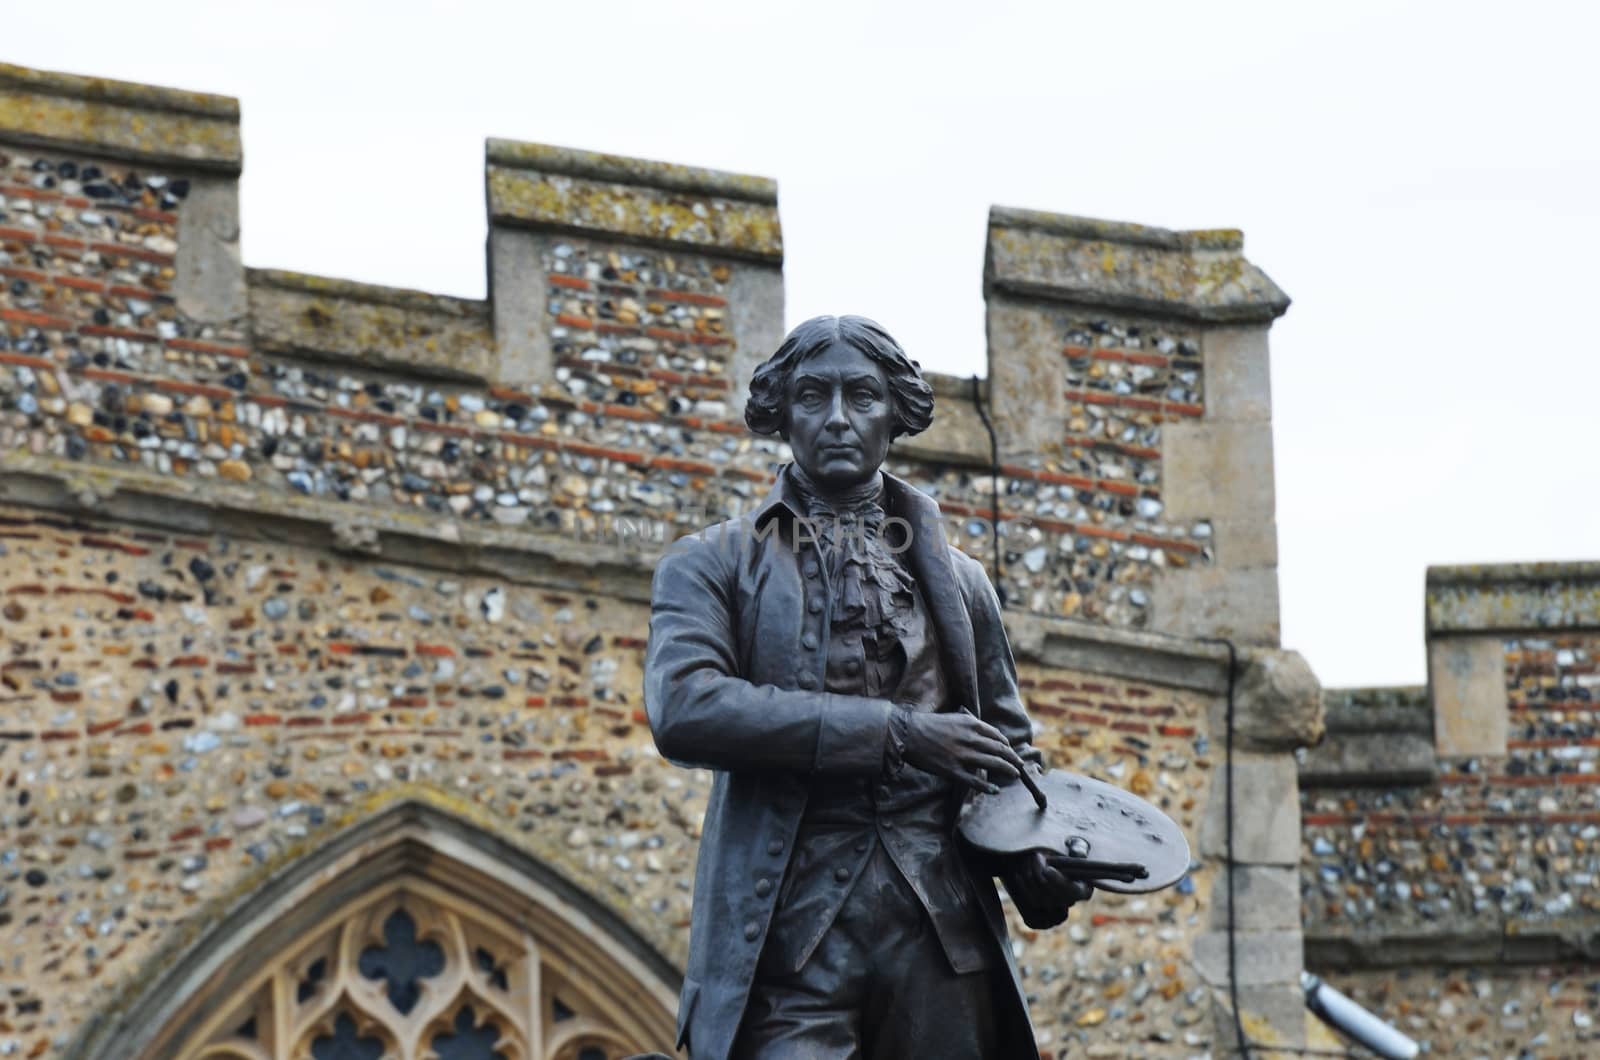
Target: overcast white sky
(1423,179)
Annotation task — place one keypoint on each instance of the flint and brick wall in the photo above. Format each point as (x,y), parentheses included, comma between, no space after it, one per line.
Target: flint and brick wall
(1452,834)
(276,548)
(186,713)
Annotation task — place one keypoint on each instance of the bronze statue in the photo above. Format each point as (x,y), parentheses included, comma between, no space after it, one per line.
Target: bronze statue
(845,672)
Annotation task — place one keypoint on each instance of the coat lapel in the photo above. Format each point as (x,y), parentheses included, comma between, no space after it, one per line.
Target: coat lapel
(929,556)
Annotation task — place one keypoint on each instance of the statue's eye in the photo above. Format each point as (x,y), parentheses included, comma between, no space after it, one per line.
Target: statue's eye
(810,397)
(863,398)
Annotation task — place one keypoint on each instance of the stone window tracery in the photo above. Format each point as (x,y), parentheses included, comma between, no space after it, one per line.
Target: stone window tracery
(414,972)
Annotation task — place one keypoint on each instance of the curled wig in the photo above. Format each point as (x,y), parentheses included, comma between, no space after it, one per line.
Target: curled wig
(766,412)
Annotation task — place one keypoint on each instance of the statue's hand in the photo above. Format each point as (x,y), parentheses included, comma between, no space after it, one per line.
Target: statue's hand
(956,745)
(1042,893)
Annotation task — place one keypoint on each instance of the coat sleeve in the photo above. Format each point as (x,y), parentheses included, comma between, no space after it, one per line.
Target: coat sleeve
(704,714)
(1001,702)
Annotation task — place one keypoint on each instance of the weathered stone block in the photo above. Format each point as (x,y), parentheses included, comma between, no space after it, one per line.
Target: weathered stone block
(211,282)
(755,313)
(384,327)
(1369,758)
(118,119)
(1220,471)
(1246,541)
(1265,898)
(1270,1016)
(1030,416)
(1277,701)
(1200,275)
(517,283)
(1238,375)
(1513,597)
(958,435)
(1266,814)
(1218,602)
(1466,676)
(634,200)
(1262,958)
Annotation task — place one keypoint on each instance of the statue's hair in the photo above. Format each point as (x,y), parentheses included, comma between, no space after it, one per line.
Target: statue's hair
(909,393)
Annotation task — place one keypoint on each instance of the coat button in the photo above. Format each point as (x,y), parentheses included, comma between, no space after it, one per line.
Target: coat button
(775,847)
(752,931)
(809,641)
(841,874)
(852,666)
(763,887)
(808,680)
(811,570)
(861,847)
(814,605)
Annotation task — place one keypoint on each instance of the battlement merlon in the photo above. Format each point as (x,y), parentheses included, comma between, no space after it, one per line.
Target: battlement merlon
(541,197)
(1476,615)
(120,120)
(1512,598)
(1159,340)
(1196,275)
(192,134)
(634,200)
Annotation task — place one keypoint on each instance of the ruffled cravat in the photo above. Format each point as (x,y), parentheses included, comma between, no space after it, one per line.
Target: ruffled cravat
(871,590)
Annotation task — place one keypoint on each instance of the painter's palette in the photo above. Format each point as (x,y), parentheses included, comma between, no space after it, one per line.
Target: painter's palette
(1125,843)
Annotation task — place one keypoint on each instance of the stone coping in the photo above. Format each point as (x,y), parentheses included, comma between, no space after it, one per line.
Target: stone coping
(1456,944)
(1478,574)
(127,93)
(1157,658)
(956,387)
(1403,708)
(119,119)
(1199,275)
(385,329)
(1512,597)
(1116,231)
(354,291)
(619,169)
(648,203)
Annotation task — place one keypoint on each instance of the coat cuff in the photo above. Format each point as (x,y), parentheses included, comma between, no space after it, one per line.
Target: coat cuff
(852,735)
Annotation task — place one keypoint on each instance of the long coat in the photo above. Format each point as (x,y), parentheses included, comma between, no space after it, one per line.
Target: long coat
(729,685)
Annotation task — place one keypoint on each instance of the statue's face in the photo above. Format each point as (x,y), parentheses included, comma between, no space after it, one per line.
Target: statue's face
(841,417)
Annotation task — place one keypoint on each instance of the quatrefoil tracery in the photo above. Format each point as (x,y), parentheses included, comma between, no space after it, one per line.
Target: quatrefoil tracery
(414,975)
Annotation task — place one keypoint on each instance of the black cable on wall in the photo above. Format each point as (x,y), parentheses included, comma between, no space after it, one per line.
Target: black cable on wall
(994,487)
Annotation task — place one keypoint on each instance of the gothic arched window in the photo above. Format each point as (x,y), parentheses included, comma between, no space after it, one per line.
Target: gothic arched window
(418,948)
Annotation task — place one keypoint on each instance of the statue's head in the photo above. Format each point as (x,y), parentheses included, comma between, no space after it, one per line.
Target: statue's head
(839,390)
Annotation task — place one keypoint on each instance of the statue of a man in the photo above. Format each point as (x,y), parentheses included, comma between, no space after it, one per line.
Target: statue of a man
(845,672)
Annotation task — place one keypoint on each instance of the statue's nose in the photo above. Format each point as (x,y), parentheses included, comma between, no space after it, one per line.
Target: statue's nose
(836,417)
